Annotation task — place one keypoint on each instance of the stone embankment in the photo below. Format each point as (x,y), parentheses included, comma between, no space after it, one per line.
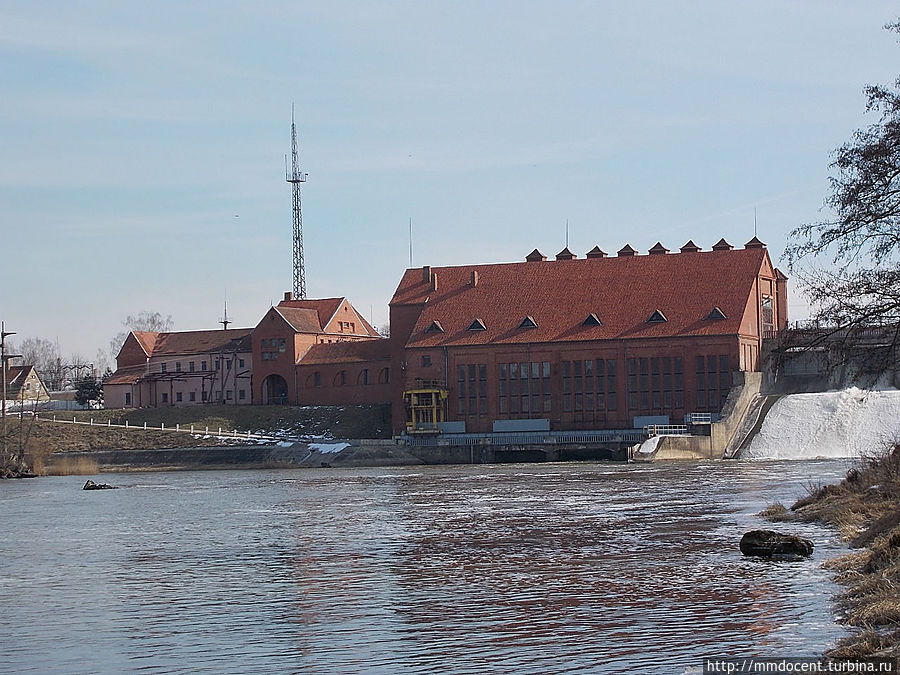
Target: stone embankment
(351,453)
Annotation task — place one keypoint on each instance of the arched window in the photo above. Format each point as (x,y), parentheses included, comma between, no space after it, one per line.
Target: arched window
(363,377)
(340,379)
(384,377)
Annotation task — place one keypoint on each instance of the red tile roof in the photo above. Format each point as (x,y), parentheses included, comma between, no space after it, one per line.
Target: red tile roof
(15,380)
(146,339)
(323,307)
(559,295)
(194,341)
(302,320)
(126,375)
(312,316)
(347,352)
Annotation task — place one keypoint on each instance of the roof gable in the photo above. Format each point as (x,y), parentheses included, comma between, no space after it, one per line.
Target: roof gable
(323,316)
(145,339)
(17,377)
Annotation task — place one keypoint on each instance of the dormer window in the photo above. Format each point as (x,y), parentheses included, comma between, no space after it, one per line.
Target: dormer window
(528,322)
(716,313)
(592,320)
(657,317)
(477,324)
(435,327)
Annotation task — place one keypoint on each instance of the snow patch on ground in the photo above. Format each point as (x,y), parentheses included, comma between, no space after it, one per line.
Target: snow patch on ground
(847,423)
(326,448)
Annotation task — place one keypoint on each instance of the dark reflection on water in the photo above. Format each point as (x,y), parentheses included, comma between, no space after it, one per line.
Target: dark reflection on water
(503,569)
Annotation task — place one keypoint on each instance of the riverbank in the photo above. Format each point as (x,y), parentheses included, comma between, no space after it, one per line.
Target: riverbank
(865,509)
(39,446)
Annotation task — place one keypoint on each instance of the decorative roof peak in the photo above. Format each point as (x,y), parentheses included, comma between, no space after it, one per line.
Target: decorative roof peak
(722,245)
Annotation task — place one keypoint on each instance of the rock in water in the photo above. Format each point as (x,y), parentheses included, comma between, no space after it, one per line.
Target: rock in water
(91,485)
(767,543)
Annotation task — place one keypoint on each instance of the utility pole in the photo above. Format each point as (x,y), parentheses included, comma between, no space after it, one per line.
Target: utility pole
(4,358)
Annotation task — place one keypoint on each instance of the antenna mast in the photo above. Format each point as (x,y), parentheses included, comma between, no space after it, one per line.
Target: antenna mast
(225,320)
(295,177)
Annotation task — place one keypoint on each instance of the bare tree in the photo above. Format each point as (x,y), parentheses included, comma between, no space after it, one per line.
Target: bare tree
(44,355)
(143,321)
(861,289)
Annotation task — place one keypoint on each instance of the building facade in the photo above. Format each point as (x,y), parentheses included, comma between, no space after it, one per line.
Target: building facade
(296,332)
(182,368)
(599,342)
(594,343)
(24,386)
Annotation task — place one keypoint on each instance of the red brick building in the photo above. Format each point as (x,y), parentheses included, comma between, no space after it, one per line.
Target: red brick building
(181,368)
(317,332)
(589,343)
(600,342)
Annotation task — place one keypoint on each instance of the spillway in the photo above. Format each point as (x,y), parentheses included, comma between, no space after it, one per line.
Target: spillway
(847,423)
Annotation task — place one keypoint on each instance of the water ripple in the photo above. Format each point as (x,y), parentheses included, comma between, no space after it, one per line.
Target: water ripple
(502,569)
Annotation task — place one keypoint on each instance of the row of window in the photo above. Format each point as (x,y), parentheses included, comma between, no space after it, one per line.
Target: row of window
(279,344)
(589,385)
(342,378)
(524,387)
(191,366)
(471,389)
(712,378)
(192,396)
(655,384)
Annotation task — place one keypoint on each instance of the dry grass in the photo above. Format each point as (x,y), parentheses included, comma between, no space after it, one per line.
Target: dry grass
(865,508)
(359,421)
(72,466)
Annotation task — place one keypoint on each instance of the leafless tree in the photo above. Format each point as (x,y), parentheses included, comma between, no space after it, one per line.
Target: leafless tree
(860,290)
(44,355)
(143,321)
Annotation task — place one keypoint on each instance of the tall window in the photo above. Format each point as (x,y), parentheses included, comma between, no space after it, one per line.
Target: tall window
(768,315)
(712,379)
(471,389)
(524,388)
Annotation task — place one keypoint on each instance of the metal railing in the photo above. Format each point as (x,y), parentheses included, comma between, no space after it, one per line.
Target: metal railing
(531,438)
(666,430)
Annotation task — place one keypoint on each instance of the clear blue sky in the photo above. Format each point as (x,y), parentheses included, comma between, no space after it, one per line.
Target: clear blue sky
(143,144)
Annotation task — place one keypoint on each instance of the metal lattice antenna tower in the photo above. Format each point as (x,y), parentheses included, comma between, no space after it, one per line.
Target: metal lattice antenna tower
(295,177)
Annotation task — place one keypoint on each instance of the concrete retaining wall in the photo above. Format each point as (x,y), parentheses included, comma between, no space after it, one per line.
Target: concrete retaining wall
(358,453)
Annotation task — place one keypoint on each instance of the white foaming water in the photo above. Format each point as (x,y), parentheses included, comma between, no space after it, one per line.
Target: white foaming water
(847,423)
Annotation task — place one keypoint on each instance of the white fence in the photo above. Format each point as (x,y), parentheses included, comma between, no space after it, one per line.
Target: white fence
(189,429)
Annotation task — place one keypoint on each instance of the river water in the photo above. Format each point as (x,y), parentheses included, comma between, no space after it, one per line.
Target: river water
(542,568)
